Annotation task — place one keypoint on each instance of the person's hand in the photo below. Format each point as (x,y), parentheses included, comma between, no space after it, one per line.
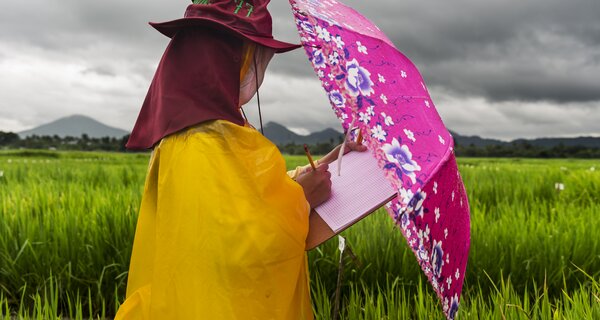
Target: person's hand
(333,154)
(316,185)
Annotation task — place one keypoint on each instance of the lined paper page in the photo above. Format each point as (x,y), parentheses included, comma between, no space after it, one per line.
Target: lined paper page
(359,190)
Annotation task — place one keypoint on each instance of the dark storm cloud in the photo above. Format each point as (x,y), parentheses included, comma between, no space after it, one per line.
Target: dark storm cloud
(533,65)
(70,23)
(503,50)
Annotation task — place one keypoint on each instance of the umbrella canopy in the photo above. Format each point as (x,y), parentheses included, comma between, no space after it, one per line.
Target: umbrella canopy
(373,85)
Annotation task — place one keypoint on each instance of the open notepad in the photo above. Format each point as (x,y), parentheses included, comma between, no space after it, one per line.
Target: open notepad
(360,189)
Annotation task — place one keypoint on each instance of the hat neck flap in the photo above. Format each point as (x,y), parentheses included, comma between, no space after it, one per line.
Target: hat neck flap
(198,79)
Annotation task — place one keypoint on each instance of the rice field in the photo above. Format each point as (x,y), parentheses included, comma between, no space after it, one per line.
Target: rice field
(67,222)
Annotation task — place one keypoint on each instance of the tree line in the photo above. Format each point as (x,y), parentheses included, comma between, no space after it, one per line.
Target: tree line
(527,150)
(10,140)
(523,149)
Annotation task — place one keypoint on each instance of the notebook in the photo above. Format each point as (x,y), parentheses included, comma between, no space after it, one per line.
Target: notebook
(360,189)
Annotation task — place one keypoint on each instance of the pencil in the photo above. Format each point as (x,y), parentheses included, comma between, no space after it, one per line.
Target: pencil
(312,164)
(359,140)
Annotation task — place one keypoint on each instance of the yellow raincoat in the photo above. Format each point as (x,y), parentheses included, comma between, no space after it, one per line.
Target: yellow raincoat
(221,231)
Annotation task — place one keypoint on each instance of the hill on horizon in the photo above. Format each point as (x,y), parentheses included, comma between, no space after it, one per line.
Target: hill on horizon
(75,126)
(280,135)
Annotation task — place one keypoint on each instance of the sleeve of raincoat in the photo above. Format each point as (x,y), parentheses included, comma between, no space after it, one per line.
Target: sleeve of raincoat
(298,171)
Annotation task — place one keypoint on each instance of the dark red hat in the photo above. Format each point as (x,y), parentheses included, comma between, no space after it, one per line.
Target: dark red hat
(248,19)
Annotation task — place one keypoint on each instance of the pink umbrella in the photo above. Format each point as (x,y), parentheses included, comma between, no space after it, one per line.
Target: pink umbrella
(373,85)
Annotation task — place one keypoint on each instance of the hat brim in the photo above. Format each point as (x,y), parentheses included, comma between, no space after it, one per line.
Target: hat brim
(170,28)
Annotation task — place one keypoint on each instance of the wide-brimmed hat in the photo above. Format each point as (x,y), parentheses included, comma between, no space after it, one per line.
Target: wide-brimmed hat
(248,19)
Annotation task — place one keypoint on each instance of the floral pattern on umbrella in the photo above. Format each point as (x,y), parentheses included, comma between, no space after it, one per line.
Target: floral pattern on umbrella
(372,84)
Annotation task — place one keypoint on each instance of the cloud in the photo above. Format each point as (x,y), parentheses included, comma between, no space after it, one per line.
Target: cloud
(294,102)
(566,72)
(502,50)
(473,115)
(40,88)
(496,68)
(100,70)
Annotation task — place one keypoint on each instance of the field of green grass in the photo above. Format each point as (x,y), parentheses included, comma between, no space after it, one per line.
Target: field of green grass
(67,222)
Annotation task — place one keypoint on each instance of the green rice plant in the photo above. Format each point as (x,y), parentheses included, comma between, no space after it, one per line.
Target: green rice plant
(67,222)
(393,301)
(522,227)
(71,220)
(364,301)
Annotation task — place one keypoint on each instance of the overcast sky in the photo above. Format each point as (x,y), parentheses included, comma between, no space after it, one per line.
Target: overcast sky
(496,68)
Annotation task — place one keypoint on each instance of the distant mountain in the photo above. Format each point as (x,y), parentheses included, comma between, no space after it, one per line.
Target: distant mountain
(75,126)
(281,135)
(475,140)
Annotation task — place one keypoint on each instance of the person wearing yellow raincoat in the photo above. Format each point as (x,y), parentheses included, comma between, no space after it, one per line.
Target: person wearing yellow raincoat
(222,228)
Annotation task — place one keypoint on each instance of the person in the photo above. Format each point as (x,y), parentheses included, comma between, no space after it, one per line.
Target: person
(222,227)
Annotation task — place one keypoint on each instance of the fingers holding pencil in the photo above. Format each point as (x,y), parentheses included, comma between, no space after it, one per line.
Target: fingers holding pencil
(316,185)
